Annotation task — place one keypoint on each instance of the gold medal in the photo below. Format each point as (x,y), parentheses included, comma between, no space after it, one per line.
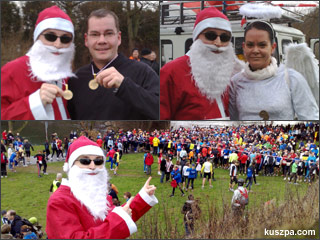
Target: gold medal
(67,94)
(264,115)
(93,84)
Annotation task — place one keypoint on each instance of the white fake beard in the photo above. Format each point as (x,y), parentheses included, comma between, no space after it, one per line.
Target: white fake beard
(91,190)
(211,72)
(46,66)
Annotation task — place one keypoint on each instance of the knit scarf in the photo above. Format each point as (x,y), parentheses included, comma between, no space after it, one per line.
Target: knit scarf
(262,74)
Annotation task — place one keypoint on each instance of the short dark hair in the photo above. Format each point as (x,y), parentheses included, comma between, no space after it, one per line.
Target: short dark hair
(127,194)
(191,197)
(135,49)
(101,13)
(261,25)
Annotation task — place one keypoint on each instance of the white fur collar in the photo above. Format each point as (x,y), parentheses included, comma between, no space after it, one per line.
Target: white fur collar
(261,74)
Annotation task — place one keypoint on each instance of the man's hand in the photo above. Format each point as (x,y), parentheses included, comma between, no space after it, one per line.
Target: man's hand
(150,189)
(127,208)
(48,92)
(110,78)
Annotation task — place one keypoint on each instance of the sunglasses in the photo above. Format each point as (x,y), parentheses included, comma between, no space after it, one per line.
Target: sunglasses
(211,36)
(52,38)
(87,161)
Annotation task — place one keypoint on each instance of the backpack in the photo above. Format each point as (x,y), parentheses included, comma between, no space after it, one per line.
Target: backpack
(244,200)
(35,229)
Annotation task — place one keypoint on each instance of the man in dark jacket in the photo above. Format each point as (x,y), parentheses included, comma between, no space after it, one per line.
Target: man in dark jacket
(163,168)
(147,58)
(16,223)
(191,212)
(27,146)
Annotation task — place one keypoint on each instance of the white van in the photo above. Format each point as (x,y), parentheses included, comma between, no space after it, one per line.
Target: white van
(177,20)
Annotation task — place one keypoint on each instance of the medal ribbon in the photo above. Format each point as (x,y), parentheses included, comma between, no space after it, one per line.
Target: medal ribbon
(95,74)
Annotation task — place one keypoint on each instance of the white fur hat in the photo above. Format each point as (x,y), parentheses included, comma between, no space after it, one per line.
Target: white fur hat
(54,18)
(210,18)
(81,146)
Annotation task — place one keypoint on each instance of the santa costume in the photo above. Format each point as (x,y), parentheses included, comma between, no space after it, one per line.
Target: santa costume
(69,217)
(183,95)
(22,78)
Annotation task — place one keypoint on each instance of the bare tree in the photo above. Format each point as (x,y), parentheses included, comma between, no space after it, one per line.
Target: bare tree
(133,21)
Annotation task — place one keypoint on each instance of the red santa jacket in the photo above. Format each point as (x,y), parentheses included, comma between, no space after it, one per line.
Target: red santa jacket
(67,218)
(18,94)
(180,99)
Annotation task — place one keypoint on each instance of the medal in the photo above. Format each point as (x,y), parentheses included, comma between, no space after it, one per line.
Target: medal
(67,94)
(93,84)
(264,115)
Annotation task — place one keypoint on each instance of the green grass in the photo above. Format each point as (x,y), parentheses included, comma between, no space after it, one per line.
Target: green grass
(28,194)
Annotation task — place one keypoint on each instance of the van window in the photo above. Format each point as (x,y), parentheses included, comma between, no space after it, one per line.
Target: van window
(284,43)
(187,45)
(166,51)
(238,47)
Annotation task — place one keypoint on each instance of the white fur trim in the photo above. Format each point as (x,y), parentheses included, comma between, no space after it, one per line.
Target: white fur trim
(216,22)
(85,150)
(261,11)
(53,23)
(65,182)
(150,200)
(61,108)
(221,107)
(126,217)
(65,167)
(40,112)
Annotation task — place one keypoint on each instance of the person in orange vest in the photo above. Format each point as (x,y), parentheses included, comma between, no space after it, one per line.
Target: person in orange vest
(135,55)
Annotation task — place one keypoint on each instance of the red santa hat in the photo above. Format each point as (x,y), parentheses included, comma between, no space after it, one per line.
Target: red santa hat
(210,18)
(81,146)
(54,18)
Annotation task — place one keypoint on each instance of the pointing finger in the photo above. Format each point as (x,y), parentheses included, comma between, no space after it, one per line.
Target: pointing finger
(148,182)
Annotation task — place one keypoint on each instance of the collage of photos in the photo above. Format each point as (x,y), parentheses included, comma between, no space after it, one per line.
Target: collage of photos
(160,119)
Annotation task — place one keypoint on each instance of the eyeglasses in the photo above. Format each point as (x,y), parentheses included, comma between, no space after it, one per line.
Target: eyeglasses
(211,36)
(52,38)
(96,35)
(87,161)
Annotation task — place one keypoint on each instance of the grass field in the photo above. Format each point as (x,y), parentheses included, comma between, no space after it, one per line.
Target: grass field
(28,194)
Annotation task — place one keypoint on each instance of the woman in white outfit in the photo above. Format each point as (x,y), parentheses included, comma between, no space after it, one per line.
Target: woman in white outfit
(264,91)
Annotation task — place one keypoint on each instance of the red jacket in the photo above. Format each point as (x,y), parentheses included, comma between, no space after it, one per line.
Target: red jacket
(243,158)
(16,87)
(3,160)
(4,135)
(149,159)
(111,153)
(258,158)
(180,99)
(67,218)
(99,142)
